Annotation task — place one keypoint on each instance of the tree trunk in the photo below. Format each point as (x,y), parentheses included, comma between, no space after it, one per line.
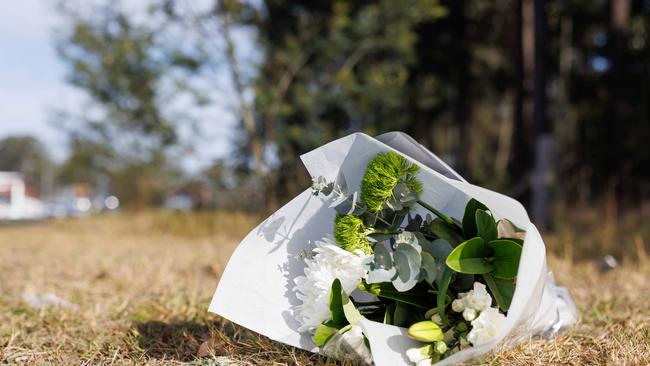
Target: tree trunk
(521,156)
(460,107)
(615,114)
(544,140)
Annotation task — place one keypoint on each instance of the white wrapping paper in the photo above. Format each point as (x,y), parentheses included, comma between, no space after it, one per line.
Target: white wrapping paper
(256,288)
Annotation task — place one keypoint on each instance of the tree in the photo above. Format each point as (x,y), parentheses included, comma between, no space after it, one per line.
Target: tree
(133,77)
(27,155)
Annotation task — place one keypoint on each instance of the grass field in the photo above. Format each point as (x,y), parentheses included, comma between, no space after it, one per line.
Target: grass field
(137,288)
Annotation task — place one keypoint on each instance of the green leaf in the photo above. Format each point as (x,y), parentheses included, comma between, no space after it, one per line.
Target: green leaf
(351,313)
(469,257)
(388,291)
(442,291)
(505,258)
(388,314)
(445,231)
(323,334)
(502,290)
(404,315)
(336,305)
(426,331)
(469,218)
(486,226)
(462,282)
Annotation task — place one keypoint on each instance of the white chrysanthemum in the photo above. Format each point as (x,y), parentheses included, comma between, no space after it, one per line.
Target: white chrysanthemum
(421,356)
(486,326)
(328,263)
(349,346)
(476,299)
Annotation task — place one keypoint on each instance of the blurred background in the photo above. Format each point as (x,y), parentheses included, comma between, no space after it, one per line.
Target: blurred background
(206,105)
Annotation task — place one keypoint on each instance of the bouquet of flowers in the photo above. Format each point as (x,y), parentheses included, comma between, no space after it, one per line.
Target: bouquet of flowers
(392,258)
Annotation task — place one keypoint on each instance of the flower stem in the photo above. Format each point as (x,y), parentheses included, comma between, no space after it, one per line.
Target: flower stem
(444,217)
(391,232)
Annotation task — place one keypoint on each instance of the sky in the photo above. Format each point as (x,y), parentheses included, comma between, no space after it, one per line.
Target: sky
(33,86)
(32,80)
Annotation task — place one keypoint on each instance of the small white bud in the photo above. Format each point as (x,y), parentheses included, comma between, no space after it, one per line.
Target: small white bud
(458,306)
(469,314)
(441,347)
(436,319)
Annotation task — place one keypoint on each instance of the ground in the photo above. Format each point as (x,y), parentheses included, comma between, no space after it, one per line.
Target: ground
(135,289)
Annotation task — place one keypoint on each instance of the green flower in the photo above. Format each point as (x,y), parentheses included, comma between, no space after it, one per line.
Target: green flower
(350,233)
(384,172)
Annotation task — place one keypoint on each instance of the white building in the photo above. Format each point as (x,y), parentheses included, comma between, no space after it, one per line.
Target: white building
(15,204)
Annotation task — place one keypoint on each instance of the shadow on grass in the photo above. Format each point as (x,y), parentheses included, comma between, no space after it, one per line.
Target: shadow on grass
(171,341)
(181,340)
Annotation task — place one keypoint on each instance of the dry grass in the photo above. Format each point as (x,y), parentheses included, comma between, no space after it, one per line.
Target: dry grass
(142,284)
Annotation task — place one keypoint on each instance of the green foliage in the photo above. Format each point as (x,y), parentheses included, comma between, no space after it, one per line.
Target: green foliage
(342,309)
(442,291)
(505,257)
(322,334)
(502,290)
(352,315)
(350,233)
(486,227)
(388,291)
(498,257)
(470,257)
(383,174)
(337,313)
(25,154)
(444,231)
(469,218)
(131,71)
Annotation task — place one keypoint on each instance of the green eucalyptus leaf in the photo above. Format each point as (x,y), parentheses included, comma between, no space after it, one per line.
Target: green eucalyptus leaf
(505,258)
(407,261)
(486,227)
(381,275)
(469,218)
(323,334)
(502,290)
(469,257)
(341,183)
(381,269)
(348,205)
(438,248)
(336,305)
(407,237)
